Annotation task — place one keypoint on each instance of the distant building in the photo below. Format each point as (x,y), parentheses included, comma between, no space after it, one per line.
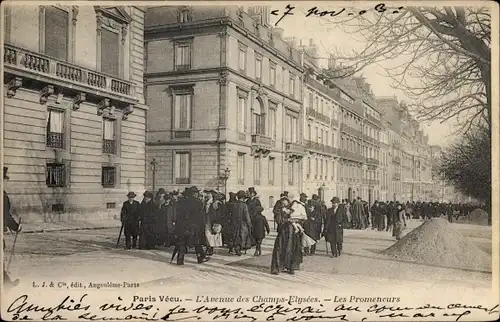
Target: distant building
(74,112)
(224,91)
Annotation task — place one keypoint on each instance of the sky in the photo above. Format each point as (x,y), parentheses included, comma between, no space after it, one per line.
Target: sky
(328,38)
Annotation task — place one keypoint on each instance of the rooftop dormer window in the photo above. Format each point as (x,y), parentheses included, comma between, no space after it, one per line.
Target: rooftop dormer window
(185,15)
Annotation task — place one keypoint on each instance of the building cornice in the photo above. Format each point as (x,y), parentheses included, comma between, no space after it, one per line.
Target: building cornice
(225,22)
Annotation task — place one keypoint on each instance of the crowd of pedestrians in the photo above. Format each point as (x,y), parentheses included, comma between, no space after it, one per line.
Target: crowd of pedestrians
(204,220)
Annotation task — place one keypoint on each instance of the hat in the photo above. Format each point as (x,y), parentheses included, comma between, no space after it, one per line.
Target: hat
(148,194)
(252,190)
(131,194)
(259,209)
(335,200)
(241,194)
(175,192)
(232,194)
(194,189)
(5,176)
(162,191)
(303,195)
(315,197)
(285,193)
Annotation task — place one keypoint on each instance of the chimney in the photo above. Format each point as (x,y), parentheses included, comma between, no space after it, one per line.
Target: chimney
(331,62)
(278,32)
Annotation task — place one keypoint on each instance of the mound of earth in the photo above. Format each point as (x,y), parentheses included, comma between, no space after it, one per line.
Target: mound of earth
(435,242)
(478,217)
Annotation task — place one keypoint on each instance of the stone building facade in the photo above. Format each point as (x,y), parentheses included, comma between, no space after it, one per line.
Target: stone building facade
(224,91)
(73,109)
(408,154)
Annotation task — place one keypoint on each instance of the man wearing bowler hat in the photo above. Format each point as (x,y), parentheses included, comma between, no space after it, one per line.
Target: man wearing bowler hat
(190,226)
(130,220)
(334,231)
(10,223)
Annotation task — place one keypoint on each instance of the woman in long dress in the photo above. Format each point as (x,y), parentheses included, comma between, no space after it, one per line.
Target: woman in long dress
(287,251)
(398,220)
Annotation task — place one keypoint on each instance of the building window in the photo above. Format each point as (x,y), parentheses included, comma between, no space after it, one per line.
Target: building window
(110,52)
(333,170)
(311,100)
(258,67)
(316,167)
(184,16)
(272,75)
(241,168)
(109,139)
(56,175)
(292,86)
(290,173)
(270,170)
(182,169)
(259,118)
(272,122)
(256,170)
(308,173)
(182,111)
(242,58)
(291,129)
(56,32)
(55,129)
(58,208)
(242,107)
(321,169)
(182,57)
(108,177)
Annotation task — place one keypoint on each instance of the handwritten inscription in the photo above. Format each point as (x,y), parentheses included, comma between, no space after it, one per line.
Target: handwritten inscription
(317,12)
(68,308)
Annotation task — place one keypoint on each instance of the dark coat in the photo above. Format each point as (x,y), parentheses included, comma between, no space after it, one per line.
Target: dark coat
(334,231)
(147,214)
(260,226)
(129,217)
(241,226)
(314,222)
(8,220)
(190,221)
(252,206)
(287,250)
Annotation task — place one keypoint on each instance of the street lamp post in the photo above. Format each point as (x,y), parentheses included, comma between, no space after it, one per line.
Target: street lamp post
(225,175)
(153,168)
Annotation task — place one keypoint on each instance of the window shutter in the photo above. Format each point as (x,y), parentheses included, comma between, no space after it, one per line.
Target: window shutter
(56,32)
(110,52)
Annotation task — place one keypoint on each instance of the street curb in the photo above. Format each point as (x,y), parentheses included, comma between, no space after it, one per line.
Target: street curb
(65,229)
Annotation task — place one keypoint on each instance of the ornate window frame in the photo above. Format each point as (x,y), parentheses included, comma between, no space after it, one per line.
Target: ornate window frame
(117,20)
(72,19)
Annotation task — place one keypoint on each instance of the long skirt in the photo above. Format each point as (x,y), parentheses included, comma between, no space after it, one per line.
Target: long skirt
(287,250)
(397,229)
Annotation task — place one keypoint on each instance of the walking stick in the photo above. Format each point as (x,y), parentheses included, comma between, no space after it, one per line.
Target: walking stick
(13,247)
(119,236)
(326,246)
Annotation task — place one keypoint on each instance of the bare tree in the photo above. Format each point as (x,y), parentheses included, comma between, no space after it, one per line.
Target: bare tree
(466,164)
(445,54)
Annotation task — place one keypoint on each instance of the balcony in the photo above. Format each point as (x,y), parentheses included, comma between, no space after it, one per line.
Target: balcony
(351,131)
(318,116)
(372,161)
(352,156)
(108,146)
(261,144)
(373,120)
(55,140)
(334,123)
(319,147)
(23,63)
(294,150)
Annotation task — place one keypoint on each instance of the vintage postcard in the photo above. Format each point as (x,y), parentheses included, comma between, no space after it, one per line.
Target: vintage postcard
(250,161)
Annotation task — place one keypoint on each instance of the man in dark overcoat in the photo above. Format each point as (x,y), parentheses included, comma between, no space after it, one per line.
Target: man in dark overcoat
(334,231)
(147,229)
(129,217)
(314,222)
(253,202)
(8,223)
(278,210)
(241,225)
(190,226)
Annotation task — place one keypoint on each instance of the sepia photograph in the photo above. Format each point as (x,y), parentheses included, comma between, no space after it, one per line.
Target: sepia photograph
(251,161)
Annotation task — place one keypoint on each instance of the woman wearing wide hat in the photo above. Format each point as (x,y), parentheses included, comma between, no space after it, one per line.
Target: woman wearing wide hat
(8,223)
